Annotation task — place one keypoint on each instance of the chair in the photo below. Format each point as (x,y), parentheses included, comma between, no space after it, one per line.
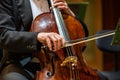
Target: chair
(104,44)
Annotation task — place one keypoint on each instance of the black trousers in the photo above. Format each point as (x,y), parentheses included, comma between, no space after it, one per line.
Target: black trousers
(16,71)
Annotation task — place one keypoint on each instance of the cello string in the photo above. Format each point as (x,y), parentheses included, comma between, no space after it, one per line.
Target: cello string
(76,74)
(73,68)
(68,49)
(60,25)
(63,32)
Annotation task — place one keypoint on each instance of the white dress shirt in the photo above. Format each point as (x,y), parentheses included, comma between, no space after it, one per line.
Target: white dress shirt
(37,10)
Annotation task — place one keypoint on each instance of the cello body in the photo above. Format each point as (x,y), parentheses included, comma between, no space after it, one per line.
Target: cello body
(60,65)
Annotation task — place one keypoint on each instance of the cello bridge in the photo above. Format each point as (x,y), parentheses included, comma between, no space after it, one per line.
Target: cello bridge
(70,59)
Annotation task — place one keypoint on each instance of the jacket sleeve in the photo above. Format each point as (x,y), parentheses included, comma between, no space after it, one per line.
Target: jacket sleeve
(12,40)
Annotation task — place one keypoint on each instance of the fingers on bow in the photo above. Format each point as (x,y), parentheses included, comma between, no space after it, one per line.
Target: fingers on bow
(55,41)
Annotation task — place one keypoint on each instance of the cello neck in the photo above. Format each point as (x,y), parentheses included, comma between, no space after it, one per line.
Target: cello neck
(60,22)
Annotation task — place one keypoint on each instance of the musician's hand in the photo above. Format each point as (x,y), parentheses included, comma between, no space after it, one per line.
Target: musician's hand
(52,40)
(62,5)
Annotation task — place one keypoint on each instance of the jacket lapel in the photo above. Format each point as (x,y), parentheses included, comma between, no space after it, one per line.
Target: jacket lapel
(25,12)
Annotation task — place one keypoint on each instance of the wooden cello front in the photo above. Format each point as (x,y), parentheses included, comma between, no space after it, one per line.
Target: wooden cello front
(67,63)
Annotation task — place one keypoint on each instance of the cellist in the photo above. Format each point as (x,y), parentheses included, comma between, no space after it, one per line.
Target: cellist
(18,43)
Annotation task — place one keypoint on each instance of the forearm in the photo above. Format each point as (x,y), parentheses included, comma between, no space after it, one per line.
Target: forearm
(19,42)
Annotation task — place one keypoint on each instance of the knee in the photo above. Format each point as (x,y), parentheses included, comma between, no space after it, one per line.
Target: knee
(13,76)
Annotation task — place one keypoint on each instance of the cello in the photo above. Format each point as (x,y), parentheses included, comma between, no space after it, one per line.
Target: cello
(68,62)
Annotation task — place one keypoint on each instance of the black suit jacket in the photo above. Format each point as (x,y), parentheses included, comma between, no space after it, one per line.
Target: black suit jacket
(14,27)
